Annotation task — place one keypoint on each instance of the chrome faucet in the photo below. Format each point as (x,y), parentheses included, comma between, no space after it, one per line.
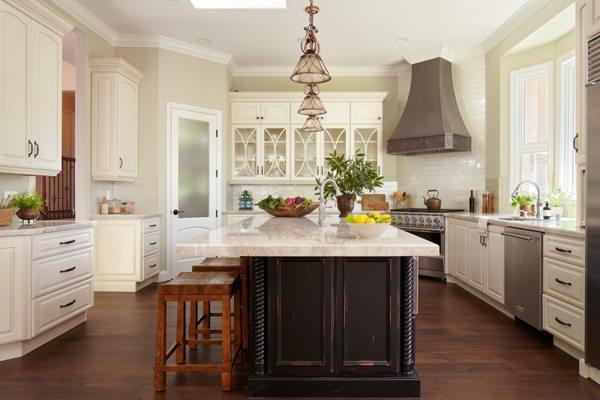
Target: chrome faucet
(538,205)
(322,198)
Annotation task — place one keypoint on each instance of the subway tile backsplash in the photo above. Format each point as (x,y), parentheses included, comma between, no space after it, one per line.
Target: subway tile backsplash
(143,192)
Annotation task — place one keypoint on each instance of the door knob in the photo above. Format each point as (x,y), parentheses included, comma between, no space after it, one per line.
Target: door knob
(177,212)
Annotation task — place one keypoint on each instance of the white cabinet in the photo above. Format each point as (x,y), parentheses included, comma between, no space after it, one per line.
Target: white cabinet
(245,113)
(260,152)
(306,153)
(272,112)
(494,280)
(127,254)
(367,112)
(476,258)
(593,17)
(114,119)
(30,90)
(14,265)
(368,140)
(338,112)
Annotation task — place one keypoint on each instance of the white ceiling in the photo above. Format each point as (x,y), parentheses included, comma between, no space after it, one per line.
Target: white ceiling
(352,32)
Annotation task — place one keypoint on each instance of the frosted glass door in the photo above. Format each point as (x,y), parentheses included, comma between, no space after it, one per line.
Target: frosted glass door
(245,152)
(334,138)
(194,168)
(367,141)
(305,145)
(275,146)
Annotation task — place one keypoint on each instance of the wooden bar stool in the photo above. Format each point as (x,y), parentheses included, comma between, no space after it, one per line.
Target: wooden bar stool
(194,287)
(225,264)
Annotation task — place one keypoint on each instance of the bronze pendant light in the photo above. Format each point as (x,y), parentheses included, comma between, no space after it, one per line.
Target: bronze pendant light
(312,124)
(312,104)
(310,68)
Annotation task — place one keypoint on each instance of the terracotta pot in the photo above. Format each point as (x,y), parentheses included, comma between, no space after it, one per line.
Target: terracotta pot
(29,215)
(528,208)
(345,203)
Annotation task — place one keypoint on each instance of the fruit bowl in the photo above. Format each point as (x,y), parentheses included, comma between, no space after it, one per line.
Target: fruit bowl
(287,207)
(369,226)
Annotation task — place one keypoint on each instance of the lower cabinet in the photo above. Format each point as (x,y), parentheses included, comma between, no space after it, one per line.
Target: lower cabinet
(333,316)
(14,264)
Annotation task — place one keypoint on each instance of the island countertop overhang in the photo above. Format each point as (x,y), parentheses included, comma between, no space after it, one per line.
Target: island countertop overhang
(264,236)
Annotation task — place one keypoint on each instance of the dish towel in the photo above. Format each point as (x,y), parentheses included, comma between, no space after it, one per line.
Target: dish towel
(482,224)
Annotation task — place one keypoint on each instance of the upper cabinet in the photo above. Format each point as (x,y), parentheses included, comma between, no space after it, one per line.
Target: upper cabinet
(268,143)
(593,16)
(30,88)
(114,119)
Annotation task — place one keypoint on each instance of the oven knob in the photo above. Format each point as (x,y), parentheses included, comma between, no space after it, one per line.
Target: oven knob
(421,220)
(406,220)
(413,220)
(428,220)
(436,221)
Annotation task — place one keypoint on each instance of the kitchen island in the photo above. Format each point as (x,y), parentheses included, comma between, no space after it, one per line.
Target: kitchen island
(331,315)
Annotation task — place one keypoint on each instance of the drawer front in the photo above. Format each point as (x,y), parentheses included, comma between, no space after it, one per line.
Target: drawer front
(565,249)
(54,273)
(565,281)
(151,265)
(564,321)
(53,244)
(52,310)
(151,243)
(151,225)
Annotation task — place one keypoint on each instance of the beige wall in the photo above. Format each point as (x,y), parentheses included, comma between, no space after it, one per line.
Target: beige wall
(497,85)
(391,106)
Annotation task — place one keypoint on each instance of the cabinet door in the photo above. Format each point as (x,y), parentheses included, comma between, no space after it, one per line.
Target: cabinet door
(127,127)
(366,112)
(276,112)
(476,258)
(14,267)
(275,150)
(367,139)
(338,112)
(105,142)
(460,251)
(245,113)
(305,154)
(494,276)
(46,98)
(581,41)
(449,254)
(245,152)
(14,148)
(300,296)
(335,137)
(593,17)
(366,316)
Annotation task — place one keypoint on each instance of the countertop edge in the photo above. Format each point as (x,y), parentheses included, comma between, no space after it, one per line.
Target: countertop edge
(39,228)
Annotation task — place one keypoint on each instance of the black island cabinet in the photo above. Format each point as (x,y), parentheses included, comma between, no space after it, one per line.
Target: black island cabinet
(332,327)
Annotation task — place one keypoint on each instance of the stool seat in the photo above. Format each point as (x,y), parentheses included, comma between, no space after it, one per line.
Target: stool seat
(196,283)
(221,262)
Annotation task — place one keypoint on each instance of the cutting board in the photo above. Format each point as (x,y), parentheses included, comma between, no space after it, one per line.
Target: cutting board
(374,202)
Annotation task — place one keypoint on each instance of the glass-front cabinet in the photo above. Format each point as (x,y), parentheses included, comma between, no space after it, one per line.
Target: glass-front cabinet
(305,153)
(336,138)
(260,152)
(368,140)
(245,152)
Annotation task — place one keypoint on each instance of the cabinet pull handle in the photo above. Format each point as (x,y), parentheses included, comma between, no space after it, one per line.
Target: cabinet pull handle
(262,170)
(563,282)
(62,271)
(152,225)
(152,243)
(37,149)
(68,304)
(152,266)
(576,143)
(120,163)
(257,170)
(67,242)
(517,236)
(30,148)
(562,250)
(562,323)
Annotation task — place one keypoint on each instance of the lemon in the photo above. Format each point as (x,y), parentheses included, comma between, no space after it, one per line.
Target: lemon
(360,219)
(370,221)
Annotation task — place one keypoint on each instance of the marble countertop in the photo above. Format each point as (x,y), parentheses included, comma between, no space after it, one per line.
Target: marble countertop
(258,211)
(43,227)
(564,227)
(265,236)
(104,217)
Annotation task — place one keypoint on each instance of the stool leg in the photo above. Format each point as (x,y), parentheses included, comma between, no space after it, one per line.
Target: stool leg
(206,321)
(180,353)
(237,320)
(193,322)
(226,344)
(244,304)
(160,376)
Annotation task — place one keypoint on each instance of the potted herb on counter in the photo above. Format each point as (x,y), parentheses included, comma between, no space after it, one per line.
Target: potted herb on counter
(556,199)
(525,201)
(353,176)
(30,206)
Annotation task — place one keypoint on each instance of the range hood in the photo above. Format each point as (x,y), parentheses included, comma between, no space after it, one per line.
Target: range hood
(431,122)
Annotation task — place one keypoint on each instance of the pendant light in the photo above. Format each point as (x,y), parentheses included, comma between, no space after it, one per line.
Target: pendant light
(310,68)
(312,124)
(312,104)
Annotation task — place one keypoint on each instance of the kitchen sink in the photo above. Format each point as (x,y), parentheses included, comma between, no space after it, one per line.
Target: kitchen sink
(520,219)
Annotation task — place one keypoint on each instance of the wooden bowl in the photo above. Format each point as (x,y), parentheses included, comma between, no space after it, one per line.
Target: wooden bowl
(291,211)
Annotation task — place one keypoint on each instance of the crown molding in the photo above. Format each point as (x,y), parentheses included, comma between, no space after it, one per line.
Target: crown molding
(119,65)
(299,95)
(178,46)
(43,14)
(445,52)
(238,70)
(87,18)
(524,13)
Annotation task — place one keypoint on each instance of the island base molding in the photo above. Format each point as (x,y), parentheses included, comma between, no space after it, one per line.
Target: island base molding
(332,327)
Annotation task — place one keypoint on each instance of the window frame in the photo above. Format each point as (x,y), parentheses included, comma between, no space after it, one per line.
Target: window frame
(564,153)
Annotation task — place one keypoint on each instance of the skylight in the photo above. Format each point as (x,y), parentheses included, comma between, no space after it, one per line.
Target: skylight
(239,4)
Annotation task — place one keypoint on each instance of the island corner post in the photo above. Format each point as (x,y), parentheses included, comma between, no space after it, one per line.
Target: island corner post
(332,327)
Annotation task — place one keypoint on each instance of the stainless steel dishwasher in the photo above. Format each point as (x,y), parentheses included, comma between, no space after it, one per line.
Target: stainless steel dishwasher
(523,274)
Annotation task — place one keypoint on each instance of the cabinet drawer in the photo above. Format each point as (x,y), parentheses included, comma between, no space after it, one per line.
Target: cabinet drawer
(56,308)
(565,281)
(151,225)
(565,249)
(57,272)
(53,244)
(151,266)
(151,243)
(564,321)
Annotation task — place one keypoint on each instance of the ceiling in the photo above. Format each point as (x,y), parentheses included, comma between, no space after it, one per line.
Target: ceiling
(352,32)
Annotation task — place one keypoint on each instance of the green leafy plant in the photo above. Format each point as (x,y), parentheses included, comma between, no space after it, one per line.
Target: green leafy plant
(523,199)
(557,198)
(353,176)
(24,200)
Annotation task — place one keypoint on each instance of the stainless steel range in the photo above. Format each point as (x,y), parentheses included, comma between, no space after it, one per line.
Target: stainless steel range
(430,226)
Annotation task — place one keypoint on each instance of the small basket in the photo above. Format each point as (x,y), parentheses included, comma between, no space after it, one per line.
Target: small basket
(6,216)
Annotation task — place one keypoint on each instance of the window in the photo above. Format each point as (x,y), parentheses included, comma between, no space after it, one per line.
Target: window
(566,169)
(531,125)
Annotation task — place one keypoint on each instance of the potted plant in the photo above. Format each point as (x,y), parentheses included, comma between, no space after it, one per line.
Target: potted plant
(353,176)
(525,201)
(556,199)
(6,211)
(30,206)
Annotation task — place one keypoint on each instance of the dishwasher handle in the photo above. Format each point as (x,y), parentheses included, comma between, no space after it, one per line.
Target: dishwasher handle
(529,238)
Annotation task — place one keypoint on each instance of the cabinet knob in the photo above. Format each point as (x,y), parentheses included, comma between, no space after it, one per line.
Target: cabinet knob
(379,118)
(257,117)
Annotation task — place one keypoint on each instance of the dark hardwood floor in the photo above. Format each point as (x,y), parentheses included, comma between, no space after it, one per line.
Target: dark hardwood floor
(465,351)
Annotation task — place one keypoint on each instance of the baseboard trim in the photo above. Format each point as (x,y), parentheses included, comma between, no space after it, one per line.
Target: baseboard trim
(567,348)
(589,372)
(479,295)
